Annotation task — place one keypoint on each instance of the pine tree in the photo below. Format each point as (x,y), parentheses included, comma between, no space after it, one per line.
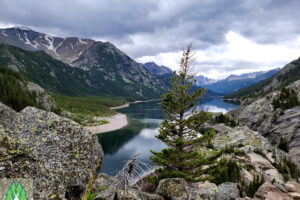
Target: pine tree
(181,120)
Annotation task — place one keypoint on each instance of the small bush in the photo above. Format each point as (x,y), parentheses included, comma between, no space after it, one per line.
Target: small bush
(224,171)
(283,145)
(229,149)
(254,185)
(260,152)
(240,153)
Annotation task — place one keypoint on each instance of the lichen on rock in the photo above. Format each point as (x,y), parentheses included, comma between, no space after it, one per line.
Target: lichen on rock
(59,154)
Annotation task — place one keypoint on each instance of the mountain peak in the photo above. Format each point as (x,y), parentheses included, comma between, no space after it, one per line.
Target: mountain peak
(23,28)
(156,69)
(64,49)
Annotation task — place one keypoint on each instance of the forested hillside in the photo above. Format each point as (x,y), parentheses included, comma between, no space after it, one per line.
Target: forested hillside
(58,77)
(13,92)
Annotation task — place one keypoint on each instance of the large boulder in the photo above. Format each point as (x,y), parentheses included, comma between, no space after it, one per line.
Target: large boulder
(200,190)
(134,194)
(61,157)
(228,191)
(268,191)
(173,188)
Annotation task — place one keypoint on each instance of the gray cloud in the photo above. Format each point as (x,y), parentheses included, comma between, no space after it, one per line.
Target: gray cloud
(151,27)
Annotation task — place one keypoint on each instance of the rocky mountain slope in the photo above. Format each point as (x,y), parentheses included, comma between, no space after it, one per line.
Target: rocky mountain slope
(64,49)
(287,75)
(60,156)
(88,67)
(58,77)
(272,108)
(260,114)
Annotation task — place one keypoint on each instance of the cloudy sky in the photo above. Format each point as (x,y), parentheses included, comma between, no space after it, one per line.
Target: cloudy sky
(228,36)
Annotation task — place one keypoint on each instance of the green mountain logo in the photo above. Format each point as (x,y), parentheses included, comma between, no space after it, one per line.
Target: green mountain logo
(16,192)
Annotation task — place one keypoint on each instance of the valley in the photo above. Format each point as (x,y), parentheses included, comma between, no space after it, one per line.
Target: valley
(74,110)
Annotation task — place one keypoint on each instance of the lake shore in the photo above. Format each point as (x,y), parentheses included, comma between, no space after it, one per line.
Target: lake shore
(128,104)
(116,122)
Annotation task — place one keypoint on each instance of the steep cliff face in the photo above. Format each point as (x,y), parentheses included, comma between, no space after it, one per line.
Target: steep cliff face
(60,156)
(271,122)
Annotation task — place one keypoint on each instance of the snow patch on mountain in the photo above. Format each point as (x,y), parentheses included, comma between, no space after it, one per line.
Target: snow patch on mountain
(81,41)
(3,33)
(28,42)
(58,46)
(22,28)
(50,41)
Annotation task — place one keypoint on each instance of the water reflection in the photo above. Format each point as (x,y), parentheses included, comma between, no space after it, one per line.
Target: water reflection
(217,105)
(139,135)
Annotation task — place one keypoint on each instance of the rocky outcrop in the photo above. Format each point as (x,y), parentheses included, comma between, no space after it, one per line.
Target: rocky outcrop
(206,190)
(253,153)
(272,123)
(173,188)
(258,153)
(6,115)
(60,156)
(268,191)
(42,97)
(228,191)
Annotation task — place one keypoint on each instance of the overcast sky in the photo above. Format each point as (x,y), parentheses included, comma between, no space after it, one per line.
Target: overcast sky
(228,36)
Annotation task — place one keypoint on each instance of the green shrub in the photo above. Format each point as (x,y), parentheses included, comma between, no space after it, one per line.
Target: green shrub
(224,171)
(229,149)
(287,99)
(260,152)
(288,169)
(254,185)
(226,119)
(283,145)
(240,153)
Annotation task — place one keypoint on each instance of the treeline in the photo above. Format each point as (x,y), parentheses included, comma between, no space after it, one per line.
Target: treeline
(287,99)
(84,109)
(12,90)
(227,120)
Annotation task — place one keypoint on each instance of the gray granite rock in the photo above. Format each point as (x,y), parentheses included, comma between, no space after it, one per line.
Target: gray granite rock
(61,157)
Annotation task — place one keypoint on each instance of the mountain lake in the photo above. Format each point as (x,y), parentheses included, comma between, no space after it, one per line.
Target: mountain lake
(139,135)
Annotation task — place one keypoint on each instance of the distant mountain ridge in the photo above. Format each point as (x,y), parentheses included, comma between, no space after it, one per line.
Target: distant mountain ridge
(156,69)
(202,81)
(225,86)
(287,75)
(103,69)
(234,83)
